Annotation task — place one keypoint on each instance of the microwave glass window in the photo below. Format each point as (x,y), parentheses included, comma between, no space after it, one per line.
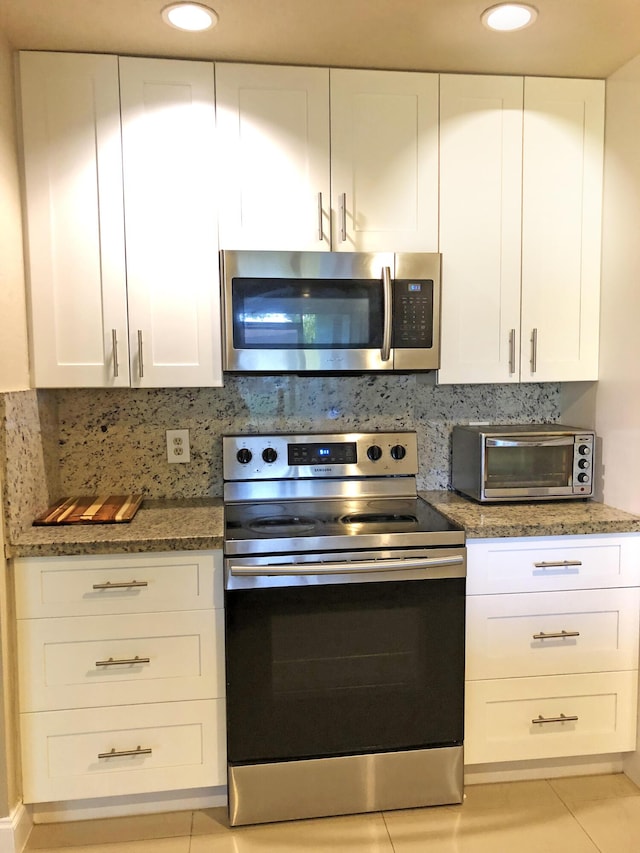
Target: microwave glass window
(528,467)
(306,314)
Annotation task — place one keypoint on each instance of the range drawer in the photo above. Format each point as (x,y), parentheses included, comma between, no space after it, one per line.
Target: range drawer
(537,564)
(118,583)
(83,661)
(499,716)
(551,633)
(165,747)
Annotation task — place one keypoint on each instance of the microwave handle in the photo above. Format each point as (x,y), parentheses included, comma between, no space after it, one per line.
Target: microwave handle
(529,442)
(385,352)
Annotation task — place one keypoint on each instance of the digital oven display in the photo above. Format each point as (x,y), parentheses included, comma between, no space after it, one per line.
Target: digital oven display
(323,454)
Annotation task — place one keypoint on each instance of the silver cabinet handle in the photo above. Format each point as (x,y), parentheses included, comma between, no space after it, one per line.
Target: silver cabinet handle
(343,217)
(347,567)
(385,352)
(561,719)
(123,661)
(123,585)
(512,351)
(561,564)
(320,233)
(534,350)
(124,752)
(140,358)
(114,347)
(556,635)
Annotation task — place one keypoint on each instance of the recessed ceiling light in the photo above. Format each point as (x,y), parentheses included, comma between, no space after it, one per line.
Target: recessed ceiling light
(509,16)
(193,17)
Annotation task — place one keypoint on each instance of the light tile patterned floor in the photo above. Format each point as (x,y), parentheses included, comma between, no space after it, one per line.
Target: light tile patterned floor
(588,814)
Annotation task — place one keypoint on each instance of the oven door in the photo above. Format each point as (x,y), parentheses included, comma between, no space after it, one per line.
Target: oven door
(344,654)
(307,311)
(529,466)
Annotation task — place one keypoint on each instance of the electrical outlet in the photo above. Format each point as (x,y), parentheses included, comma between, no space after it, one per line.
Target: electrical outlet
(178,445)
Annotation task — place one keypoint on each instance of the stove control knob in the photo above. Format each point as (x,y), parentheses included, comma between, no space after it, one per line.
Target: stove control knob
(398,452)
(269,454)
(244,456)
(374,453)
(583,478)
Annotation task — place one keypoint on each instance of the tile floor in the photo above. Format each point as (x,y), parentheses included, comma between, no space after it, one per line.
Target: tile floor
(578,815)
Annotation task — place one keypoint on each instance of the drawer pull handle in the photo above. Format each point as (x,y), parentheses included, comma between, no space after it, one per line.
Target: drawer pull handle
(561,719)
(113,753)
(562,564)
(124,585)
(123,661)
(556,635)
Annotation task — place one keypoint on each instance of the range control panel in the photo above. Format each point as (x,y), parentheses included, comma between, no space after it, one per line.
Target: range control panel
(269,457)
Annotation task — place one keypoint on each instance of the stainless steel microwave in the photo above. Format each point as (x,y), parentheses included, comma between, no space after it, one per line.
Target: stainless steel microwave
(330,312)
(523,462)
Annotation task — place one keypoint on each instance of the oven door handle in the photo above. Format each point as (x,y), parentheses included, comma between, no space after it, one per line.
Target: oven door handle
(346,568)
(529,442)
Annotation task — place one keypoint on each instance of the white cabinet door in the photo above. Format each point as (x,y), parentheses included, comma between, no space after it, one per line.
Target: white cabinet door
(168,135)
(75,235)
(480,204)
(561,228)
(273,145)
(384,161)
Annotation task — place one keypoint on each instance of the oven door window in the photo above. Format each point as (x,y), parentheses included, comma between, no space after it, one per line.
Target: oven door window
(548,467)
(337,670)
(309,314)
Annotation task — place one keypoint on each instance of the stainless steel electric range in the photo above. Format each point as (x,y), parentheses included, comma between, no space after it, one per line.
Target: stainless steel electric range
(344,603)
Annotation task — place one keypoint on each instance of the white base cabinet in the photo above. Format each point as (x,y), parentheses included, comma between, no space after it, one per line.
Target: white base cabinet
(121,674)
(552,647)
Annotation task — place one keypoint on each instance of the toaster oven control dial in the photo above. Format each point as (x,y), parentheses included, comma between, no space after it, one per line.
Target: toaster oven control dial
(584,463)
(374,452)
(583,477)
(244,456)
(269,454)
(398,452)
(584,450)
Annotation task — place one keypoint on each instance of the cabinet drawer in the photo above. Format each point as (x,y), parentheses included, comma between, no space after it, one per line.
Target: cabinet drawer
(74,662)
(504,633)
(64,752)
(499,716)
(532,564)
(118,583)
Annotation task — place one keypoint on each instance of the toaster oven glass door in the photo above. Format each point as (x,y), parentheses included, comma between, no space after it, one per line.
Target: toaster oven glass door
(528,464)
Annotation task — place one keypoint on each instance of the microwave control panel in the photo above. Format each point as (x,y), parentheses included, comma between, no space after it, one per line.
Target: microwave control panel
(583,464)
(412,313)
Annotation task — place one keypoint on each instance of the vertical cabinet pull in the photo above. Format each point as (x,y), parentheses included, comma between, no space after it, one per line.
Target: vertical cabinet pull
(140,357)
(343,217)
(320,233)
(114,347)
(534,350)
(512,351)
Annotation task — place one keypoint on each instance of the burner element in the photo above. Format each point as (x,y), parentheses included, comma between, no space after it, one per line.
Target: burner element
(378,518)
(282,524)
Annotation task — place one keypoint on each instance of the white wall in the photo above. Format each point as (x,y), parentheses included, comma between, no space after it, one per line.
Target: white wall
(618,391)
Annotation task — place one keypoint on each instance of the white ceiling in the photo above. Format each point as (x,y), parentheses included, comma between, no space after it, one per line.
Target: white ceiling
(575,38)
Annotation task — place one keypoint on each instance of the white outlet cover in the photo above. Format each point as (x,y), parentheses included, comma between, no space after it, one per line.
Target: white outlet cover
(178,449)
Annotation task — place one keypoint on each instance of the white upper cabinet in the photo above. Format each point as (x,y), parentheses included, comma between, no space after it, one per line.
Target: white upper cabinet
(94,321)
(273,145)
(561,228)
(278,155)
(384,161)
(520,208)
(168,138)
(73,193)
(480,204)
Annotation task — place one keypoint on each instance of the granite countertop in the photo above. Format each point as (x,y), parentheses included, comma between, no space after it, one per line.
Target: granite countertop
(197,524)
(531,518)
(159,525)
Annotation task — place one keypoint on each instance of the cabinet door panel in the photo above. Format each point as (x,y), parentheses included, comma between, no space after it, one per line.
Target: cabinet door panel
(168,126)
(384,161)
(75,250)
(273,137)
(561,228)
(480,203)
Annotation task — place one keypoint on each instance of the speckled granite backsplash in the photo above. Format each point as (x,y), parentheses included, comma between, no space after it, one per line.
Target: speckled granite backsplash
(114,440)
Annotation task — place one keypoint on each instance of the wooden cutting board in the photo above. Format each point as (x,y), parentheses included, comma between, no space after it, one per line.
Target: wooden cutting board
(91,509)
